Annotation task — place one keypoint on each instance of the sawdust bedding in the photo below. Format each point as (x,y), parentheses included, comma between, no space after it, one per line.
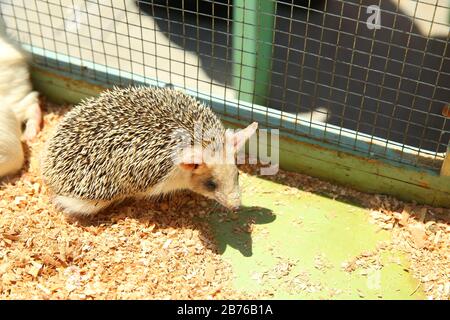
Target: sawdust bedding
(160,250)
(420,231)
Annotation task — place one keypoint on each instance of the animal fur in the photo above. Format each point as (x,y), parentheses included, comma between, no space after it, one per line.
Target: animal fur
(122,144)
(18,104)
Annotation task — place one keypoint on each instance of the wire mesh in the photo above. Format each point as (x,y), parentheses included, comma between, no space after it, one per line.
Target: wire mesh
(379,91)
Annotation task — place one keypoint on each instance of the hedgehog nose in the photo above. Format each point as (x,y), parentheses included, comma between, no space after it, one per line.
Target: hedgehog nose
(234,205)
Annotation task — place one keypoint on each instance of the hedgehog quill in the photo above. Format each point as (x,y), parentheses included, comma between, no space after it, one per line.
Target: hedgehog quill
(141,142)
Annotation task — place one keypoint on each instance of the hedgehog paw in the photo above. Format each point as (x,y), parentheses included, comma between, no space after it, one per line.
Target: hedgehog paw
(76,206)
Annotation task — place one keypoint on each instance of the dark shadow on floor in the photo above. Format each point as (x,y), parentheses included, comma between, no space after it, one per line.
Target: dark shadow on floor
(235,230)
(218,227)
(391,83)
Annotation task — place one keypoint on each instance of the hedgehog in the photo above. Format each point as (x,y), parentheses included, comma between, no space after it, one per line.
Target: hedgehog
(141,142)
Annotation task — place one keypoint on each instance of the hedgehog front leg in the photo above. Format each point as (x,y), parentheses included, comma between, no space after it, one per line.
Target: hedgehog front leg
(76,206)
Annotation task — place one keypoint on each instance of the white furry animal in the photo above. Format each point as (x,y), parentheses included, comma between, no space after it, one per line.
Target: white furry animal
(11,153)
(18,104)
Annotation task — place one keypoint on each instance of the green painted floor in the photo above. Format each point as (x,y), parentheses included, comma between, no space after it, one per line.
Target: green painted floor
(298,245)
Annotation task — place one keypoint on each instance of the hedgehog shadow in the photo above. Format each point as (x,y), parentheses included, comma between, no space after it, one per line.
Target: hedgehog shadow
(218,229)
(235,230)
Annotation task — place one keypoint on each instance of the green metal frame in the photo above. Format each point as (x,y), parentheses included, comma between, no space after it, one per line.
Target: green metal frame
(445,170)
(252,43)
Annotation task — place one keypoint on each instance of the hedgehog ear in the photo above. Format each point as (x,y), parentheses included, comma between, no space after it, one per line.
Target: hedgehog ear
(192,158)
(238,139)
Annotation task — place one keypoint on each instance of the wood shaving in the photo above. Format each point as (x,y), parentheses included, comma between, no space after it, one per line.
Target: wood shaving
(136,250)
(148,250)
(422,232)
(322,263)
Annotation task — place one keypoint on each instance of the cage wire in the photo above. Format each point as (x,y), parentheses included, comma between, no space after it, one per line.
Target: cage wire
(315,66)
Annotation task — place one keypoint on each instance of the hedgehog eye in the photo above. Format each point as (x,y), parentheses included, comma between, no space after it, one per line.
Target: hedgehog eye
(210,185)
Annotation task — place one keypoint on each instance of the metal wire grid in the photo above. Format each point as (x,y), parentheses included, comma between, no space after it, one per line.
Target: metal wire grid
(373,112)
(327,68)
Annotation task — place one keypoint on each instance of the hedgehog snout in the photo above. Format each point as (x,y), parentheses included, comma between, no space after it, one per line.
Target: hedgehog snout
(235,206)
(232,201)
